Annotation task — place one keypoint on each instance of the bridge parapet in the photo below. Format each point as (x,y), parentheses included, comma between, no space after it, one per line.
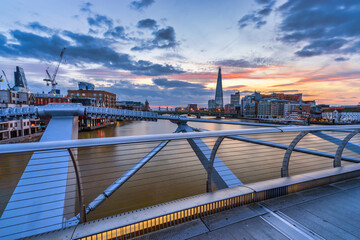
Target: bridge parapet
(120,114)
(73,109)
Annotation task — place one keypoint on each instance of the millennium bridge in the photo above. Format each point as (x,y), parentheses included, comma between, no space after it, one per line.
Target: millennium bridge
(265,181)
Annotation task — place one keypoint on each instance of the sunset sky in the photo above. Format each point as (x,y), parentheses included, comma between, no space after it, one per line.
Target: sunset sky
(169,51)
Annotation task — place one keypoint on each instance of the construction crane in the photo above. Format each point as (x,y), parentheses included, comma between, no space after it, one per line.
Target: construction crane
(51,79)
(7,81)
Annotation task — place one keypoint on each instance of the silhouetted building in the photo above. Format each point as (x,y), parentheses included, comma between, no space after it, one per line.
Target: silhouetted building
(342,114)
(219,102)
(146,106)
(86,86)
(235,99)
(20,80)
(84,101)
(101,98)
(211,104)
(44,99)
(130,105)
(249,104)
(11,98)
(228,108)
(192,107)
(281,96)
(19,95)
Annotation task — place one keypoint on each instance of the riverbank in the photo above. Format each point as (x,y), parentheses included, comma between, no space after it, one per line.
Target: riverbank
(28,138)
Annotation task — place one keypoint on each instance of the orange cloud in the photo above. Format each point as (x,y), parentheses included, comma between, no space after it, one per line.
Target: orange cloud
(235,87)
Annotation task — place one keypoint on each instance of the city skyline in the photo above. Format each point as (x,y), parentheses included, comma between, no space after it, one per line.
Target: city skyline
(145,49)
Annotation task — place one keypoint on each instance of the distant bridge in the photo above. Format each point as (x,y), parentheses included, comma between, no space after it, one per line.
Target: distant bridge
(51,183)
(219,115)
(198,113)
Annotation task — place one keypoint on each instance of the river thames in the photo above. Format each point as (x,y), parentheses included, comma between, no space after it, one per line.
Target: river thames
(175,172)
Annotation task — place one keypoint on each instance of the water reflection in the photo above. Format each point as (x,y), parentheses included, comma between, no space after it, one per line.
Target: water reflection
(175,172)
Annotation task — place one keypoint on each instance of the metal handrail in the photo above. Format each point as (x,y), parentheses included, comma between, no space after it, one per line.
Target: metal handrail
(57,145)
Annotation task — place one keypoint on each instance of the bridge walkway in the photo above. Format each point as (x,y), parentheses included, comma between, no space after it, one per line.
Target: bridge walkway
(327,212)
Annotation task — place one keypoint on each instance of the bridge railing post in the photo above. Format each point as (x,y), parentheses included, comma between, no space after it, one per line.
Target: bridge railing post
(340,149)
(79,186)
(289,150)
(211,163)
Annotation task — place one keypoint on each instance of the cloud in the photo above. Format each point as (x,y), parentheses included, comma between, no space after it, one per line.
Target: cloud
(326,26)
(333,77)
(171,56)
(235,87)
(176,92)
(38,27)
(265,11)
(164,82)
(100,20)
(257,18)
(3,39)
(81,49)
(242,63)
(285,91)
(246,92)
(341,59)
(251,19)
(264,1)
(141,4)
(163,38)
(147,23)
(117,32)
(323,46)
(86,7)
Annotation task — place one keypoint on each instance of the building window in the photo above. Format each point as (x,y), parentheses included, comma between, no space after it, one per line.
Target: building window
(94,94)
(77,94)
(100,94)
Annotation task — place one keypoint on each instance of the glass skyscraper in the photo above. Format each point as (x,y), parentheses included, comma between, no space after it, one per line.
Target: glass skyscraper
(219,102)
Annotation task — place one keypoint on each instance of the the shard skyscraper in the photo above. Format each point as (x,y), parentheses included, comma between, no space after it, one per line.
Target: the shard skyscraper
(219,102)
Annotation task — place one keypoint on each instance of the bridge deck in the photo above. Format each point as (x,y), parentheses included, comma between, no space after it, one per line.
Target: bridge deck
(327,212)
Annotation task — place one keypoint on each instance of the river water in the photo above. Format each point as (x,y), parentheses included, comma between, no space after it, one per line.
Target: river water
(175,172)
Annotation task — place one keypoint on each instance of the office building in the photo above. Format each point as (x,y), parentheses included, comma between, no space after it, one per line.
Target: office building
(219,102)
(192,107)
(211,104)
(130,105)
(235,99)
(101,98)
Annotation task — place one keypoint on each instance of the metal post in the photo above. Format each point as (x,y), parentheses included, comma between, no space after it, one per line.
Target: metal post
(339,151)
(211,165)
(79,187)
(286,160)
